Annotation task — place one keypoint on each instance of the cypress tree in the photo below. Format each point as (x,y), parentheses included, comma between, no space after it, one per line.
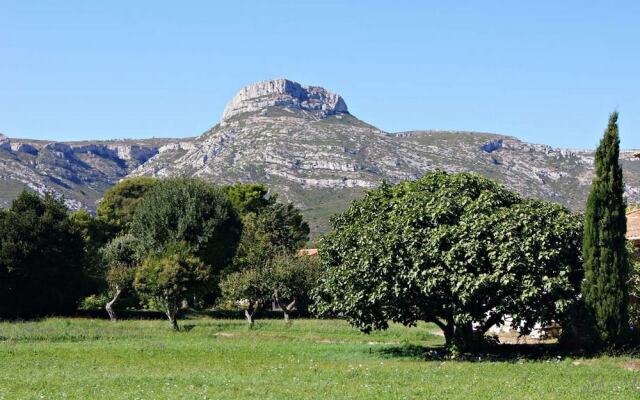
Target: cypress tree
(606,261)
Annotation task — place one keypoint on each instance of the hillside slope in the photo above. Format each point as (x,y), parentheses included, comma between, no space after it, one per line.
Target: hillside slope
(304,144)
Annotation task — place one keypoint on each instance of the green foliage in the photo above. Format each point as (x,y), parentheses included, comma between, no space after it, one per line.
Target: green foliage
(94,302)
(121,258)
(247,288)
(456,250)
(291,278)
(276,229)
(285,279)
(189,210)
(249,197)
(604,252)
(120,202)
(170,278)
(95,233)
(41,255)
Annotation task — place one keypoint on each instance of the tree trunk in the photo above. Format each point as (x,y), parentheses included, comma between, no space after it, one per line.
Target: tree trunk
(286,310)
(249,316)
(172,312)
(109,306)
(464,337)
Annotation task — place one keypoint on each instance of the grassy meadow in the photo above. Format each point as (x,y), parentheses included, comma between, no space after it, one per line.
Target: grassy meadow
(80,358)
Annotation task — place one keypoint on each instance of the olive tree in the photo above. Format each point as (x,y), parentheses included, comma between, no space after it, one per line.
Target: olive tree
(168,278)
(457,250)
(120,259)
(287,280)
(248,289)
(290,279)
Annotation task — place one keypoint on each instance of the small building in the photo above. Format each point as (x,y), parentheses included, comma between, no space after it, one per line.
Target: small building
(308,252)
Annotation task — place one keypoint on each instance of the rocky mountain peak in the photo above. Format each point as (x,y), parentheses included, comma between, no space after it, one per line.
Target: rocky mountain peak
(284,93)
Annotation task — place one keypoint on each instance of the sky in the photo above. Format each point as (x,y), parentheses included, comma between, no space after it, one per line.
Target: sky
(545,71)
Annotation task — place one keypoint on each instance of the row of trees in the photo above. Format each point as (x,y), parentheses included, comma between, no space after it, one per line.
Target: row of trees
(162,244)
(457,250)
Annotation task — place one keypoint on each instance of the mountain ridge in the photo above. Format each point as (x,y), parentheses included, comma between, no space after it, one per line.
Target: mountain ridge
(303,143)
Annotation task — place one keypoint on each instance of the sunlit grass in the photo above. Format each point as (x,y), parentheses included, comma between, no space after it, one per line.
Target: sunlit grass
(216,359)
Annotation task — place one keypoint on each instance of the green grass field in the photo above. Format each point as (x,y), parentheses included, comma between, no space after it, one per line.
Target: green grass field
(79,358)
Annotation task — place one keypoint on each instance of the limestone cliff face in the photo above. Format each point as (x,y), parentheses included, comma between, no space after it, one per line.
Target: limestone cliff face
(284,93)
(79,171)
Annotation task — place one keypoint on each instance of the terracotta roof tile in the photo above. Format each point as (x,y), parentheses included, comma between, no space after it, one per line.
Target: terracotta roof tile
(308,252)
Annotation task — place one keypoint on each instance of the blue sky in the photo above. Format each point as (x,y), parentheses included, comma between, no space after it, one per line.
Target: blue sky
(546,72)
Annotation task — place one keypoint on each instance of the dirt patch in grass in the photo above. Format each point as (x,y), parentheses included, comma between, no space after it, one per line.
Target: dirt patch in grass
(632,365)
(224,334)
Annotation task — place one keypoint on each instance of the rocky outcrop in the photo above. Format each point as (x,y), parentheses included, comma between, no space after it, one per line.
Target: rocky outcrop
(5,143)
(492,146)
(78,171)
(24,148)
(284,93)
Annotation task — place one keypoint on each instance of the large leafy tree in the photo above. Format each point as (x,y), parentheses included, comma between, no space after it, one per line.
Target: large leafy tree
(41,258)
(456,250)
(604,250)
(119,202)
(190,211)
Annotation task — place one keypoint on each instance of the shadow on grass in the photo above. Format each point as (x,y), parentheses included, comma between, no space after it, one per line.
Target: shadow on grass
(494,353)
(185,314)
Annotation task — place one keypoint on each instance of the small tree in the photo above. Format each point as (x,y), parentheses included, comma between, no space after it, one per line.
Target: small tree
(290,280)
(120,259)
(605,256)
(170,278)
(248,289)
